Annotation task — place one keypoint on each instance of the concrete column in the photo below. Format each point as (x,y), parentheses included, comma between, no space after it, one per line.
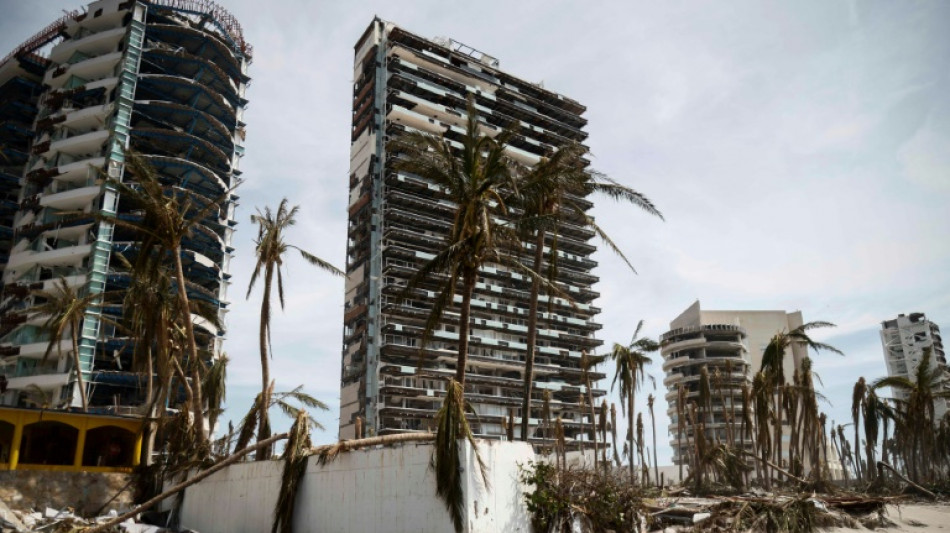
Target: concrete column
(15,445)
(80,447)
(137,451)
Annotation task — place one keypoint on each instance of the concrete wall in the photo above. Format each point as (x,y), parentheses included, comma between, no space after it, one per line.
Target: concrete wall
(377,490)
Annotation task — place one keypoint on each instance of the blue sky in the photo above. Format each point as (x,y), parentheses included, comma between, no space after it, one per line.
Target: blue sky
(800,152)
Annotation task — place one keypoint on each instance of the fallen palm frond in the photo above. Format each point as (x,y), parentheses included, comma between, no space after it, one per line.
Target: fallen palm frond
(326,454)
(564,498)
(295,465)
(452,427)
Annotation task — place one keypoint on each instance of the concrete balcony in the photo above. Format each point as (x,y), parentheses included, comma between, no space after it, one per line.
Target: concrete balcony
(37,350)
(87,117)
(92,69)
(73,199)
(79,170)
(77,145)
(417,121)
(70,255)
(43,381)
(683,345)
(92,44)
(670,364)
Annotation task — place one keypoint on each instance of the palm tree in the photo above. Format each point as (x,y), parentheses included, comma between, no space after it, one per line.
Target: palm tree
(270,249)
(170,215)
(680,425)
(65,309)
(858,394)
(629,372)
(475,179)
(656,468)
(916,414)
(588,362)
(290,403)
(548,195)
(773,363)
(762,394)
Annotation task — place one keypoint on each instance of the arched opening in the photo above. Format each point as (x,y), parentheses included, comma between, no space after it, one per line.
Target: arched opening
(48,443)
(6,441)
(108,446)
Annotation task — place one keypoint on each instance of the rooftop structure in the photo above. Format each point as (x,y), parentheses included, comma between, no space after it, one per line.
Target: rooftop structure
(165,78)
(904,340)
(397,221)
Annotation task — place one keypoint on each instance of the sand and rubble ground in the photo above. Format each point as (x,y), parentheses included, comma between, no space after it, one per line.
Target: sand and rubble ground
(913,518)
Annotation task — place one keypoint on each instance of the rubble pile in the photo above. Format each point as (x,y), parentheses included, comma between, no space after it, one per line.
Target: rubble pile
(767,512)
(51,520)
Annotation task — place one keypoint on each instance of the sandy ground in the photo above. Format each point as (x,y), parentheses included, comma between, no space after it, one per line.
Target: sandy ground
(915,517)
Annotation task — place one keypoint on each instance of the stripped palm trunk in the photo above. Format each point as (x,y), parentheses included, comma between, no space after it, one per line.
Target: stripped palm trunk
(680,424)
(613,432)
(532,335)
(644,465)
(656,467)
(74,330)
(602,423)
(585,370)
(263,426)
(857,400)
(469,279)
(191,344)
(630,427)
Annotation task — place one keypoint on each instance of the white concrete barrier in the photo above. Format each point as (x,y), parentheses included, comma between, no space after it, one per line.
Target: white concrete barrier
(381,490)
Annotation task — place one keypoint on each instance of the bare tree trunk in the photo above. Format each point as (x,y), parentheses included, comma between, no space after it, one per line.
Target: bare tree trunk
(76,363)
(185,310)
(469,287)
(263,425)
(630,429)
(656,467)
(532,337)
(590,400)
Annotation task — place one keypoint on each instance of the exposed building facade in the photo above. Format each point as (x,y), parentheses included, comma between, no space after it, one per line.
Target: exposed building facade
(165,78)
(904,340)
(403,82)
(730,345)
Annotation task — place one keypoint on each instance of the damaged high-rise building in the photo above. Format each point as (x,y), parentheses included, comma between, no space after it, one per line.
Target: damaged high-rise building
(165,78)
(905,339)
(729,346)
(397,221)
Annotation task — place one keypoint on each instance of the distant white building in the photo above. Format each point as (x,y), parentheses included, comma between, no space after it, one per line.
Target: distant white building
(729,344)
(904,340)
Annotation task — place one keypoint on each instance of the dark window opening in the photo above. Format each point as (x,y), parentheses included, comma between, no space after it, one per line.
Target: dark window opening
(48,443)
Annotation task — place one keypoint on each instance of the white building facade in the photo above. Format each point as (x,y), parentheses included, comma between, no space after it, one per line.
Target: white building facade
(904,340)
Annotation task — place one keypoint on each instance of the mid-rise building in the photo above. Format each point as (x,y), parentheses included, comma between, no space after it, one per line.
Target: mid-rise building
(904,340)
(397,221)
(165,78)
(730,345)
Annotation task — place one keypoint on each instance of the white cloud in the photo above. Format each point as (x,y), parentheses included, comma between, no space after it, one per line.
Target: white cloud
(925,158)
